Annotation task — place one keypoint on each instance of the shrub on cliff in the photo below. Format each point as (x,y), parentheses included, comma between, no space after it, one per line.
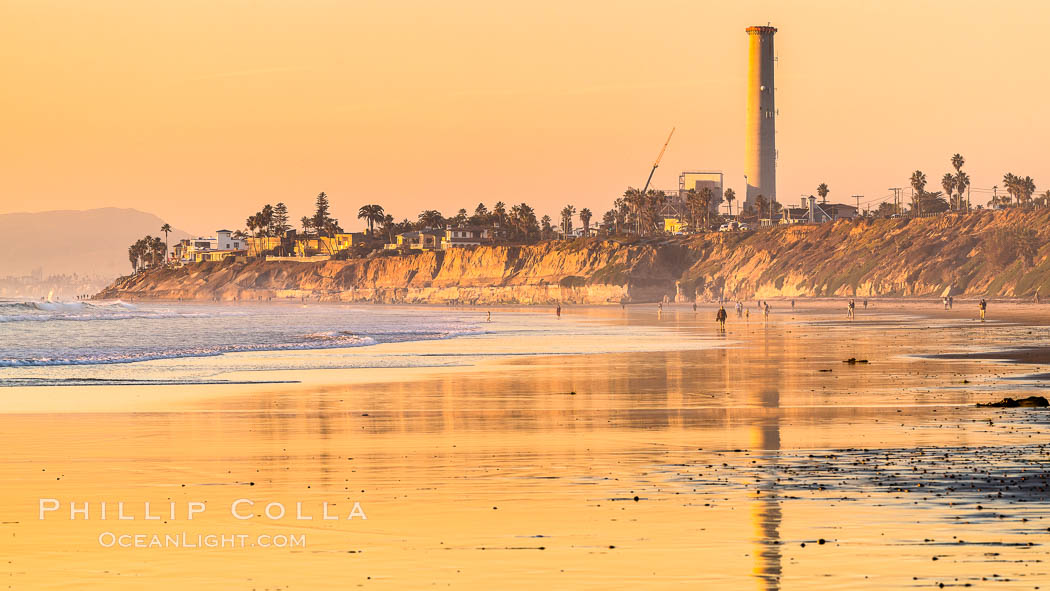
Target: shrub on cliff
(1007,245)
(1027,246)
(1002,246)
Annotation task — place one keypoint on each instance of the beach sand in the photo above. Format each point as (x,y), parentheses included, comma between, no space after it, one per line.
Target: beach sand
(750,459)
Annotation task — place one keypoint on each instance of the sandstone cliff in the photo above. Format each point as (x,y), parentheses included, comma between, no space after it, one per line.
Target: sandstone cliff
(981,253)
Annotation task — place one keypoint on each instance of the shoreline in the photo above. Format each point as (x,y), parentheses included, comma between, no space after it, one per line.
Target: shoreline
(234,373)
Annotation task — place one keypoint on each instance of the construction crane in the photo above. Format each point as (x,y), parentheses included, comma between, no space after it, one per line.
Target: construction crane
(657,163)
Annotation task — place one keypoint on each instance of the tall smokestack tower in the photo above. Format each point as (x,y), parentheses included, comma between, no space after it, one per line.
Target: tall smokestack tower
(761,160)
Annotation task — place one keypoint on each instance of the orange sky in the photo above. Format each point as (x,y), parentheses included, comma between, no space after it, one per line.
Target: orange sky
(202,111)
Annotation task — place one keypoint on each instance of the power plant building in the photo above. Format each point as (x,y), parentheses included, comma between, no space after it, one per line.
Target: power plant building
(760,159)
(698,181)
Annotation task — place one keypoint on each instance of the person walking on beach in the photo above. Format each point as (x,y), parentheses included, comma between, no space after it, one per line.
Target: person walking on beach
(851,309)
(984,308)
(765,311)
(489,318)
(951,302)
(792,304)
(720,317)
(865,304)
(557,311)
(694,306)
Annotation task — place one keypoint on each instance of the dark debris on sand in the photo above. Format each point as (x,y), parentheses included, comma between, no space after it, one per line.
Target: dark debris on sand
(1030,402)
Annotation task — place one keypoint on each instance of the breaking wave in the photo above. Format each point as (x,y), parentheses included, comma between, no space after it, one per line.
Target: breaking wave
(45,311)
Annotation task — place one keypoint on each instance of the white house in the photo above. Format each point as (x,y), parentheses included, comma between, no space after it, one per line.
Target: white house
(190,250)
(225,241)
(465,236)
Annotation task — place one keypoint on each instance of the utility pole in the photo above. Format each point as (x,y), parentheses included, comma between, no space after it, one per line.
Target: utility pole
(857,197)
(896,199)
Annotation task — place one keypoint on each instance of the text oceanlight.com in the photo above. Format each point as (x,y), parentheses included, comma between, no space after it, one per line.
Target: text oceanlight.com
(203,541)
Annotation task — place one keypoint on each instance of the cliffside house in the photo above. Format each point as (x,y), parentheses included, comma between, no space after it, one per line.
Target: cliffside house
(428,239)
(260,244)
(774,220)
(222,246)
(465,236)
(307,246)
(812,212)
(795,215)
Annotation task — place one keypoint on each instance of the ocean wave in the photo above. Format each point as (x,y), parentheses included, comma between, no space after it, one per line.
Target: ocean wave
(87,312)
(338,336)
(311,341)
(179,331)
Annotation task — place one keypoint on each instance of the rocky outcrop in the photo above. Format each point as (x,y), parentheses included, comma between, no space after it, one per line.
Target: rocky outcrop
(983,253)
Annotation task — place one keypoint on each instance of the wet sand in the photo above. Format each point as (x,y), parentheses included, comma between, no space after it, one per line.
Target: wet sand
(722,465)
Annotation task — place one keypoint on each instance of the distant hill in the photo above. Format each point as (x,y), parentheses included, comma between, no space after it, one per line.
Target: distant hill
(86,242)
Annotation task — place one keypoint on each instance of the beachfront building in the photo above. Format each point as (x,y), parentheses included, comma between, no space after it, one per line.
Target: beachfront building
(795,215)
(310,246)
(460,236)
(812,212)
(222,246)
(257,245)
(428,239)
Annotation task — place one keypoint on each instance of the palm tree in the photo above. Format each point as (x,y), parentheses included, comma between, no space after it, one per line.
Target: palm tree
(371,214)
(760,201)
(962,182)
(545,228)
(635,204)
(500,211)
(566,220)
(523,220)
(585,219)
(1027,189)
(165,228)
(692,202)
(730,197)
(653,203)
(253,224)
(957,162)
(918,184)
(388,226)
(1021,189)
(948,184)
(623,211)
(158,247)
(707,195)
(822,190)
(608,221)
(431,218)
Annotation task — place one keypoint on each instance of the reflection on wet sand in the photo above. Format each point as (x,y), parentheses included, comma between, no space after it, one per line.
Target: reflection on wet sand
(766,514)
(575,471)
